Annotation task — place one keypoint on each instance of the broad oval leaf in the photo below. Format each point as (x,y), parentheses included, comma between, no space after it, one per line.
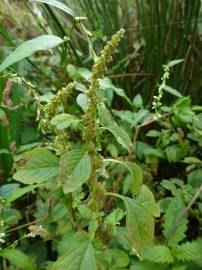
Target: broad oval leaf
(79,257)
(120,135)
(75,169)
(42,43)
(18,258)
(37,166)
(65,120)
(57,4)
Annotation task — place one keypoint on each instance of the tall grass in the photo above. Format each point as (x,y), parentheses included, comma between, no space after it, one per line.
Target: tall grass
(156,32)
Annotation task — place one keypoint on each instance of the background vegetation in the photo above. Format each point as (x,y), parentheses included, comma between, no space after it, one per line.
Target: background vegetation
(145,124)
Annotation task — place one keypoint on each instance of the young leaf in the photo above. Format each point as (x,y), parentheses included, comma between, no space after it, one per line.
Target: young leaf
(175,207)
(38,166)
(120,135)
(18,258)
(29,47)
(59,5)
(79,257)
(75,169)
(158,254)
(64,120)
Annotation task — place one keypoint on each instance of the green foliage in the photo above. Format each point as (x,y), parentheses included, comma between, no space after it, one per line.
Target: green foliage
(44,42)
(106,182)
(38,165)
(75,169)
(18,258)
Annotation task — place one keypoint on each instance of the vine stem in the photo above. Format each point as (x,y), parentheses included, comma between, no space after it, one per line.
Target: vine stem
(183,213)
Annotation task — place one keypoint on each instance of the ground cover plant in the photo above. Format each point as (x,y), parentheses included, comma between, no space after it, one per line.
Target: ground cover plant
(101,184)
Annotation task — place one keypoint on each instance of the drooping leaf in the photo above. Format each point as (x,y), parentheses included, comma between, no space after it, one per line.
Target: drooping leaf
(19,192)
(159,254)
(59,5)
(38,166)
(18,258)
(42,43)
(175,207)
(120,135)
(79,257)
(64,120)
(75,169)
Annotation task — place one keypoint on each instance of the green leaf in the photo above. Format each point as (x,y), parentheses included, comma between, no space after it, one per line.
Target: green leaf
(135,171)
(137,101)
(175,207)
(120,135)
(75,169)
(39,165)
(29,47)
(105,116)
(140,213)
(186,252)
(59,5)
(175,62)
(159,254)
(82,100)
(18,258)
(195,177)
(172,91)
(79,257)
(7,189)
(136,176)
(19,192)
(65,120)
(107,84)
